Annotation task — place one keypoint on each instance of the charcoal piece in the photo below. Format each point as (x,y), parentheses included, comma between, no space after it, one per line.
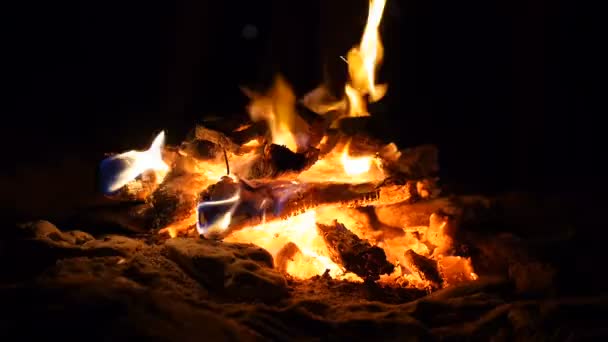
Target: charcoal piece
(171,202)
(354,254)
(426,268)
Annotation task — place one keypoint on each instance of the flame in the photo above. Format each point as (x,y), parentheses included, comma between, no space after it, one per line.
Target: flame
(340,167)
(355,166)
(313,257)
(362,63)
(117,171)
(277,108)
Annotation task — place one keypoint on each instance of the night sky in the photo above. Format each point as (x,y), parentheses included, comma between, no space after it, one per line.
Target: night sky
(503,87)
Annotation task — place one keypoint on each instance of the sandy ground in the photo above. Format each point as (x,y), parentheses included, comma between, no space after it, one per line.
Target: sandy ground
(539,279)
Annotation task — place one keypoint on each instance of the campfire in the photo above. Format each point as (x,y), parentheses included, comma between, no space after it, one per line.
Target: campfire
(322,198)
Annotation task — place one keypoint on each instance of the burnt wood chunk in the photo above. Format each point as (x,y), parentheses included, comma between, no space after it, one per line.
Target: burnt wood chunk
(354,254)
(278,160)
(138,189)
(426,268)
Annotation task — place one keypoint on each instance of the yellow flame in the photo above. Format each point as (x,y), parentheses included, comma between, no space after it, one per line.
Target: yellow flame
(277,108)
(252,143)
(301,230)
(363,61)
(355,166)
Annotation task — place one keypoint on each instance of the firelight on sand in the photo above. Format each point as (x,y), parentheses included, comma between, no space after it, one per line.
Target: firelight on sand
(118,170)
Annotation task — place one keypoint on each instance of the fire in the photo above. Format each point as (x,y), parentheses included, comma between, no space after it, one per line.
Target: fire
(119,170)
(312,257)
(355,166)
(339,167)
(277,108)
(362,63)
(322,239)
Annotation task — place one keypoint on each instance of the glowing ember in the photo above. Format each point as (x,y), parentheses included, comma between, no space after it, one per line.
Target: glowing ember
(119,170)
(301,230)
(355,166)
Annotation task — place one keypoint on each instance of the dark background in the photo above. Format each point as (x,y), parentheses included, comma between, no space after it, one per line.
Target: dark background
(505,88)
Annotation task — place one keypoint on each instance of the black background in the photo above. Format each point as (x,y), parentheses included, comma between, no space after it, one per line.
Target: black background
(505,88)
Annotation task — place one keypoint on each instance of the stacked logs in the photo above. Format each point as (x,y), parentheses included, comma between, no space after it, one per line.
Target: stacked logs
(267,193)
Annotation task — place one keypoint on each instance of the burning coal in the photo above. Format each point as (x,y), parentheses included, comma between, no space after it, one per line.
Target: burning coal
(321,201)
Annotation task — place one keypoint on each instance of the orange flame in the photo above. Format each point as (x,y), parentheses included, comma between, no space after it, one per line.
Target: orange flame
(277,108)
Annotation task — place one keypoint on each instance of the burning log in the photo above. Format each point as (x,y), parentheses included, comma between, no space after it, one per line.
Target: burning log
(425,268)
(354,254)
(173,201)
(260,201)
(138,189)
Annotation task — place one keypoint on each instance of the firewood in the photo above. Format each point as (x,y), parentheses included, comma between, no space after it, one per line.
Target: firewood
(279,199)
(138,189)
(354,254)
(413,163)
(246,133)
(220,139)
(425,268)
(278,160)
(173,201)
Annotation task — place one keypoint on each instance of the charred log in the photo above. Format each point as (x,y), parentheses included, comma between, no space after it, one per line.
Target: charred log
(425,268)
(172,202)
(413,163)
(217,138)
(354,254)
(137,190)
(276,200)
(246,133)
(278,160)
